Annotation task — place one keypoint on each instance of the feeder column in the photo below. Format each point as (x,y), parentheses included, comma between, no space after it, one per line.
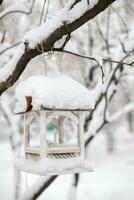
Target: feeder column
(43,134)
(81,141)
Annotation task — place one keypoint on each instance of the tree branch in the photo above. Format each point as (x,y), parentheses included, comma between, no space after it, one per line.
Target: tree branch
(55,35)
(1,2)
(93,58)
(39,189)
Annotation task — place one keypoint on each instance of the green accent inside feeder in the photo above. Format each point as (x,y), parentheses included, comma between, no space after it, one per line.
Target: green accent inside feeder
(51,127)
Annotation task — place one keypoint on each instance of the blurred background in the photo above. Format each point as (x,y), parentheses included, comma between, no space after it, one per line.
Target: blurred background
(108,44)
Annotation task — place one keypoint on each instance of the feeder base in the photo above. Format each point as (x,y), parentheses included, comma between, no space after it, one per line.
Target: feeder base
(49,167)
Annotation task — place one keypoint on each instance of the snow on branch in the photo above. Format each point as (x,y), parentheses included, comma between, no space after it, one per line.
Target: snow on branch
(47,34)
(8,69)
(98,117)
(128,108)
(64,17)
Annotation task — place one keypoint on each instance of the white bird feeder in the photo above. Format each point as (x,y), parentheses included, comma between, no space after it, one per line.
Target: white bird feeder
(47,100)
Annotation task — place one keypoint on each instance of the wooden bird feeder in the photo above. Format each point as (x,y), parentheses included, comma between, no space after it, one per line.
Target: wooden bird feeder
(66,156)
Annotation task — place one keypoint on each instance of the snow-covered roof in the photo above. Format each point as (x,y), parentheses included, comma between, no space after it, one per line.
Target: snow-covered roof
(58,92)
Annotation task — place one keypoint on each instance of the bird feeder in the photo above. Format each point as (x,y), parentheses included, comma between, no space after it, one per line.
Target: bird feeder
(47,100)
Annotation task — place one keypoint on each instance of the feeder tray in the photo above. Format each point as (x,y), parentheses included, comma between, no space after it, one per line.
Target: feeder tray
(52,166)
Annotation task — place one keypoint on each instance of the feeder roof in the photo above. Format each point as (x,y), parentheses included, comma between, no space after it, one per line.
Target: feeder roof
(58,92)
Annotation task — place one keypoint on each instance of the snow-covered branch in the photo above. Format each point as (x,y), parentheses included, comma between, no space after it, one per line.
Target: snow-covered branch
(65,22)
(98,117)
(128,108)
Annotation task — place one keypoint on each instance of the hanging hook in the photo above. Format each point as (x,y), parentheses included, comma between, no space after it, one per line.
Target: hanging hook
(43,56)
(41,44)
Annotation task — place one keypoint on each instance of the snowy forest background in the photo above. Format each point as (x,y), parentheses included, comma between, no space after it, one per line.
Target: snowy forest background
(99,55)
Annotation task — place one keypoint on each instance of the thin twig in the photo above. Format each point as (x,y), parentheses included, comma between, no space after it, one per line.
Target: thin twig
(121,18)
(18,11)
(47,11)
(3,37)
(92,58)
(43,7)
(10,47)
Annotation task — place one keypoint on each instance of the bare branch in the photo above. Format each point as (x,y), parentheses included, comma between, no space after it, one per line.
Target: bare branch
(92,58)
(43,7)
(1,2)
(12,9)
(39,189)
(10,47)
(121,18)
(3,37)
(78,55)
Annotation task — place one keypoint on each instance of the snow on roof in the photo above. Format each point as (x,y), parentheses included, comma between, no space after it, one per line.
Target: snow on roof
(53,92)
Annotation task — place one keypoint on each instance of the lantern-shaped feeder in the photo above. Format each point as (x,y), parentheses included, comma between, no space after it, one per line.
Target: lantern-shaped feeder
(51,101)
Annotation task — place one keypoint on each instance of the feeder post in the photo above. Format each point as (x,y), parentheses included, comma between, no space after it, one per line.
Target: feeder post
(81,141)
(61,133)
(43,134)
(26,133)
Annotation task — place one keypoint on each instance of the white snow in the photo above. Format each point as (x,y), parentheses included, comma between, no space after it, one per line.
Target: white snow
(8,68)
(79,9)
(37,35)
(64,16)
(113,175)
(59,92)
(6,172)
(50,166)
(99,59)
